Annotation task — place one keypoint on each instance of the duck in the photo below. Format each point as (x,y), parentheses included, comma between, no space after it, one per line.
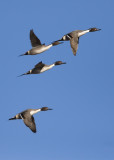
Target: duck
(27,117)
(37,46)
(41,67)
(74,36)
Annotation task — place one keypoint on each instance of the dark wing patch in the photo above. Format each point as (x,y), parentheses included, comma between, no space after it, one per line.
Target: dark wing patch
(74,44)
(40,65)
(69,35)
(30,122)
(34,39)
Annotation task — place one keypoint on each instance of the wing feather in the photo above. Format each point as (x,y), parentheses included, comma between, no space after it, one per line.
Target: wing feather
(29,121)
(34,39)
(74,44)
(39,65)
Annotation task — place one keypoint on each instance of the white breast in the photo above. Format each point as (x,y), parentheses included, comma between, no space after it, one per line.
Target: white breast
(45,68)
(83,32)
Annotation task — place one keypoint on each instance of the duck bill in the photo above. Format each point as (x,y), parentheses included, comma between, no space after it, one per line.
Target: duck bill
(98,29)
(63,62)
(50,109)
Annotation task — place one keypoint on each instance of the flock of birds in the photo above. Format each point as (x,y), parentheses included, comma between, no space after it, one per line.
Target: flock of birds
(37,48)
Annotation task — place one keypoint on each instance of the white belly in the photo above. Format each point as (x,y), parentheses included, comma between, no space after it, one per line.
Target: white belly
(40,49)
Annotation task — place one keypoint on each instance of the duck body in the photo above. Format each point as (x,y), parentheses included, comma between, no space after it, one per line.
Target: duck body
(39,49)
(41,67)
(76,33)
(37,46)
(27,117)
(74,36)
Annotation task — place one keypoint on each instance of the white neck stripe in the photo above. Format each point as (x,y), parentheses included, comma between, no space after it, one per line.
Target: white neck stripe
(34,111)
(83,32)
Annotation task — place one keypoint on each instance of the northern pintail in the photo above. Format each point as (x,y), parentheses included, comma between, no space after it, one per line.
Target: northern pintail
(74,37)
(27,117)
(41,67)
(37,46)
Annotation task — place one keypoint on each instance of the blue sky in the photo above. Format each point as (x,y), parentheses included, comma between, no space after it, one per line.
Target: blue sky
(81,93)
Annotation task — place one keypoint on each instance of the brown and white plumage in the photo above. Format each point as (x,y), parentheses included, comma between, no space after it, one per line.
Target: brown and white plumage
(74,44)
(28,120)
(74,36)
(41,67)
(37,46)
(27,117)
(34,39)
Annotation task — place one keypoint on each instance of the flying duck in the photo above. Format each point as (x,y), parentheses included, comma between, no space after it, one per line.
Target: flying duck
(27,117)
(41,67)
(74,38)
(37,46)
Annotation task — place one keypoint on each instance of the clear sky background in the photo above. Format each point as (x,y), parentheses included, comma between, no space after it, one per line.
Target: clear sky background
(81,93)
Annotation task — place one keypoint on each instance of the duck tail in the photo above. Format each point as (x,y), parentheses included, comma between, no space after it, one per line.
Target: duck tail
(24,54)
(56,43)
(24,74)
(12,118)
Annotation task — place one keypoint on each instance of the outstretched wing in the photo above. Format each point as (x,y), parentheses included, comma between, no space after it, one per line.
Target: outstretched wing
(29,122)
(34,39)
(74,44)
(40,65)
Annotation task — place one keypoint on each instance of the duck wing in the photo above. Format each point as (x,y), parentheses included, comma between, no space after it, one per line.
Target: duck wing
(39,65)
(34,39)
(29,121)
(74,44)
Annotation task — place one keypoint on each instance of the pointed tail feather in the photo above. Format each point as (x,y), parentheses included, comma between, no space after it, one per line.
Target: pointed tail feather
(21,75)
(56,43)
(24,74)
(24,54)
(12,118)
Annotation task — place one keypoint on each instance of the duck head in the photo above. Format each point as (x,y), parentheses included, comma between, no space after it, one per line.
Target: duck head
(45,109)
(59,62)
(94,29)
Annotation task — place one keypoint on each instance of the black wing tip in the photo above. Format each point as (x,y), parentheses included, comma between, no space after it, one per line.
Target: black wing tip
(31,30)
(34,131)
(74,53)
